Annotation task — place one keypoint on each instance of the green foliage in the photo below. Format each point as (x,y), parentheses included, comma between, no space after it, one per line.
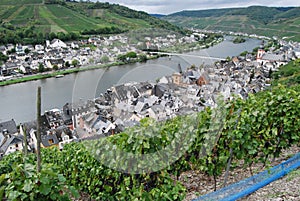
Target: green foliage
(266,21)
(104,30)
(21,182)
(104,59)
(55,67)
(19,2)
(202,13)
(3,57)
(244,53)
(35,22)
(129,13)
(41,68)
(138,163)
(75,62)
(288,75)
(61,2)
(131,55)
(67,64)
(288,70)
(88,174)
(239,40)
(228,58)
(143,57)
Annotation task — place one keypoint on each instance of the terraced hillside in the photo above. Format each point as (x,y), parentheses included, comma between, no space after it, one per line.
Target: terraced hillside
(268,21)
(30,20)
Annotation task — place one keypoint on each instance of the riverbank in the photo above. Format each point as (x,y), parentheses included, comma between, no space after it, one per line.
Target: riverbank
(46,75)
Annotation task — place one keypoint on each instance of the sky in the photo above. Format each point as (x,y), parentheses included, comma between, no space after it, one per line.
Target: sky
(172,6)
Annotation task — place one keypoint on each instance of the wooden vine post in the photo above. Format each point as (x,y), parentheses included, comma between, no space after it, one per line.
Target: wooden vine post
(38,130)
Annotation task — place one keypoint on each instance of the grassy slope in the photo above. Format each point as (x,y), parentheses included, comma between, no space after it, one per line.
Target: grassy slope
(55,17)
(15,2)
(283,24)
(75,17)
(288,75)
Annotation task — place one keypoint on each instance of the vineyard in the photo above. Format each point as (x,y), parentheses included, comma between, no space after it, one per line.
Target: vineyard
(143,163)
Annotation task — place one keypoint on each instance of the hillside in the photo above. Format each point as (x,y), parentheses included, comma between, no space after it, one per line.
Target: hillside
(268,21)
(31,21)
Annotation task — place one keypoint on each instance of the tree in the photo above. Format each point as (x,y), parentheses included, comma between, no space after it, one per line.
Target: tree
(41,68)
(122,57)
(67,64)
(3,57)
(143,57)
(26,51)
(104,59)
(75,62)
(55,67)
(193,67)
(131,55)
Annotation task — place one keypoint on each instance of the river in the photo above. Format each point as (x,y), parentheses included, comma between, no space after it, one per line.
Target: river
(18,101)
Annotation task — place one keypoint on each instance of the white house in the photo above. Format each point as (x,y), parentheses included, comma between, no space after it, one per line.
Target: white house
(56,44)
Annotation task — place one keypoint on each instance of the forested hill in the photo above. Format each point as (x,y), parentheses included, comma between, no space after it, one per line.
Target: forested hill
(269,21)
(31,21)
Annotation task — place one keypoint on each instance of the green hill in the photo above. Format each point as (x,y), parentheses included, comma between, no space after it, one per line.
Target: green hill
(31,21)
(268,21)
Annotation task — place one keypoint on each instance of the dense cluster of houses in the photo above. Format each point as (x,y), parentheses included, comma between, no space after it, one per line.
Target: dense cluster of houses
(123,106)
(26,59)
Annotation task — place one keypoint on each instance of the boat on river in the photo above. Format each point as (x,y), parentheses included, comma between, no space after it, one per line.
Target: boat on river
(59,76)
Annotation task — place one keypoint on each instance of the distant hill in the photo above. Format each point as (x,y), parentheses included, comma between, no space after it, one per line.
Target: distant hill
(32,21)
(269,21)
(158,15)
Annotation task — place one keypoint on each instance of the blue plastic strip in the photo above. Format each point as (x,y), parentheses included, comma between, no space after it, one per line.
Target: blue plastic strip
(252,184)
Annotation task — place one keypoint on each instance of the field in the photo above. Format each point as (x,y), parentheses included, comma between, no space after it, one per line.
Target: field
(32,21)
(57,18)
(282,27)
(19,2)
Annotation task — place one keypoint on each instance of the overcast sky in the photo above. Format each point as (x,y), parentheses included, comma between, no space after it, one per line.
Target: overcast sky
(172,6)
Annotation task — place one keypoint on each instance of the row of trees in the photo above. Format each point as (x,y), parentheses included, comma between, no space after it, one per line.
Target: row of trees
(104,30)
(31,36)
(132,56)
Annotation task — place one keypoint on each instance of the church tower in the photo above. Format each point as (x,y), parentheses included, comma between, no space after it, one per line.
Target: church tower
(260,54)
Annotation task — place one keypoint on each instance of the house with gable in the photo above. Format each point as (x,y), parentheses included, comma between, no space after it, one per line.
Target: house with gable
(9,127)
(10,140)
(203,79)
(3,49)
(56,44)
(10,144)
(78,112)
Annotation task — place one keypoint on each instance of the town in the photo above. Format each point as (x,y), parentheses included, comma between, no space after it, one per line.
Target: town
(123,106)
(23,60)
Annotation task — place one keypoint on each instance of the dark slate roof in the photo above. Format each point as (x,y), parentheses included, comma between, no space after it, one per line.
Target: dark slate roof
(62,129)
(8,126)
(2,138)
(8,142)
(45,122)
(159,90)
(273,57)
(121,92)
(144,86)
(47,138)
(78,107)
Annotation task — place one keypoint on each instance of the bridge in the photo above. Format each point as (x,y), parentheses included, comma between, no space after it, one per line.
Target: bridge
(187,55)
